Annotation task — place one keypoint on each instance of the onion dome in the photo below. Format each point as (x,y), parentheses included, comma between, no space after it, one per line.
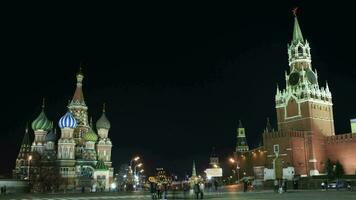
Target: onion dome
(67,121)
(91,136)
(100,165)
(103,122)
(51,136)
(41,122)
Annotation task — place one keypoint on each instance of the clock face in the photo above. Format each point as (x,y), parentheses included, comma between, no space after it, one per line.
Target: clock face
(294,78)
(311,77)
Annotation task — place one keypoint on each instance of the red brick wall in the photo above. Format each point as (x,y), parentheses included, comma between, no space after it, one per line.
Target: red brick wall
(344,151)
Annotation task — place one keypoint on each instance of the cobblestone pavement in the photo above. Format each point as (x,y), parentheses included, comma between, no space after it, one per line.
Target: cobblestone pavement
(265,195)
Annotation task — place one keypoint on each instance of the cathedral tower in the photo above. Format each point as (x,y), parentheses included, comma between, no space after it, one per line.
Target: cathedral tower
(79,109)
(303,105)
(104,145)
(41,125)
(241,143)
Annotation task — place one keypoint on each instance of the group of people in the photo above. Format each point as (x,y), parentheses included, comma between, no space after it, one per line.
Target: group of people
(3,190)
(280,186)
(158,190)
(199,190)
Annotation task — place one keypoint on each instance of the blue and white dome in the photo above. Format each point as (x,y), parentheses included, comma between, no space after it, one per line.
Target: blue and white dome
(67,121)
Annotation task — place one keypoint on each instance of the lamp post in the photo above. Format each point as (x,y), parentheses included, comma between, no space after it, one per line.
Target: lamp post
(28,166)
(237,168)
(131,175)
(136,177)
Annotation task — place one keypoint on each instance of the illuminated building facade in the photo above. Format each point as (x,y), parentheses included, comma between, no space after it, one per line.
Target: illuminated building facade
(305,138)
(81,155)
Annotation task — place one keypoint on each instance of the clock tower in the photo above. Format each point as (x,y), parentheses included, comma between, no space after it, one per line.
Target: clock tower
(303,105)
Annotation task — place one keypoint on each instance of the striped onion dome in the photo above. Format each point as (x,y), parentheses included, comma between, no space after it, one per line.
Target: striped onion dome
(41,122)
(91,136)
(103,122)
(67,121)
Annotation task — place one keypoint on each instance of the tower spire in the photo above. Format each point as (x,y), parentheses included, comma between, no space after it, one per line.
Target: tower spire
(297,33)
(194,171)
(43,103)
(78,97)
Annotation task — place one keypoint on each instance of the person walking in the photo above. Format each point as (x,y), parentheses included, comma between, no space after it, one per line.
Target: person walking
(216,184)
(245,185)
(185,190)
(276,185)
(196,190)
(153,188)
(201,189)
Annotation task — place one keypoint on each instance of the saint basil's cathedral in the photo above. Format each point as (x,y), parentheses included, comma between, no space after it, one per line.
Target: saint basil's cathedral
(81,156)
(305,137)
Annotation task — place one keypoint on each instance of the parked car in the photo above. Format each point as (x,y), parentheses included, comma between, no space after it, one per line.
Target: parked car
(340,184)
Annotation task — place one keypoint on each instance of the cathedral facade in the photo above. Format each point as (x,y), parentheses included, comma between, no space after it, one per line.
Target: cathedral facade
(305,137)
(80,154)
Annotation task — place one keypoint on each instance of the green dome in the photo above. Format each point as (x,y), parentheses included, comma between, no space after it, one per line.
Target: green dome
(41,123)
(100,165)
(91,136)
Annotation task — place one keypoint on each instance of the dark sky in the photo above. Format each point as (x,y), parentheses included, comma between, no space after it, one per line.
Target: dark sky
(176,77)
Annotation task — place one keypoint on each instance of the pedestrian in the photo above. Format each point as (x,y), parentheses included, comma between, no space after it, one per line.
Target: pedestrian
(196,190)
(285,185)
(322,186)
(245,185)
(153,188)
(201,189)
(276,185)
(216,184)
(185,189)
(1,190)
(159,191)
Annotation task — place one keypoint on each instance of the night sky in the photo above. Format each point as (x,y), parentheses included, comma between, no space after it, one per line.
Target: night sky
(176,78)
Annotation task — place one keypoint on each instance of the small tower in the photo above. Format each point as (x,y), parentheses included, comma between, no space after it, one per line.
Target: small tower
(214,159)
(66,148)
(90,139)
(41,125)
(241,143)
(194,171)
(104,145)
(21,168)
(79,109)
(50,147)
(66,143)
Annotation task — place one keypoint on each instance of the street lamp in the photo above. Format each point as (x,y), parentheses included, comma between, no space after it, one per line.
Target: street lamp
(28,166)
(237,168)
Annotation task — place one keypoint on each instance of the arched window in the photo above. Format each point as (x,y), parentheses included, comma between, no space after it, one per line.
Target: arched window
(300,51)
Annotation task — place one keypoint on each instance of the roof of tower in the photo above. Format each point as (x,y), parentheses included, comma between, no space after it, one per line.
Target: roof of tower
(78,96)
(26,137)
(103,121)
(240,124)
(297,33)
(268,125)
(41,122)
(194,171)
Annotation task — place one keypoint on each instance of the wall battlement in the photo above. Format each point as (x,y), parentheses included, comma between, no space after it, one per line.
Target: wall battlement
(278,134)
(343,138)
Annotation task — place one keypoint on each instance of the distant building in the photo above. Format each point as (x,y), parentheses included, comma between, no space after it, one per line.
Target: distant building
(81,155)
(305,138)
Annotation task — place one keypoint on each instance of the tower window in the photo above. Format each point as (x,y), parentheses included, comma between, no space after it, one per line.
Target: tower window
(300,51)
(276,148)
